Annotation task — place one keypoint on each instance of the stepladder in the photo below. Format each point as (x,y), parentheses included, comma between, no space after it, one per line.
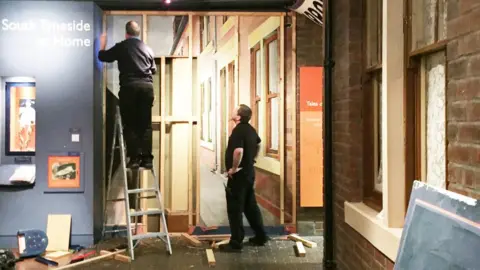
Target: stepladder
(139,193)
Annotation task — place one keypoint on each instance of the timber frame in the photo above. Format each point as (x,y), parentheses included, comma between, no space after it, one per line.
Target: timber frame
(194,120)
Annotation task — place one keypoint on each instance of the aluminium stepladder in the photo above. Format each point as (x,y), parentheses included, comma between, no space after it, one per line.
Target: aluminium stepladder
(164,236)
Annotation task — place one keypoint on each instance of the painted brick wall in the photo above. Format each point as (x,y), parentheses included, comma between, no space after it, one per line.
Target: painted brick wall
(463,97)
(309,53)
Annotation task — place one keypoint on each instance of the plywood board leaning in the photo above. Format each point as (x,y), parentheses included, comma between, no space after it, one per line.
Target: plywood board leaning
(210,258)
(58,232)
(297,238)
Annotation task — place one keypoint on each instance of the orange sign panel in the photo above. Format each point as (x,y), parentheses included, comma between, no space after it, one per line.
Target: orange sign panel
(311,137)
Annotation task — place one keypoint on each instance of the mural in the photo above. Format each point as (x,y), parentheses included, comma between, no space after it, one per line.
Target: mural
(21,123)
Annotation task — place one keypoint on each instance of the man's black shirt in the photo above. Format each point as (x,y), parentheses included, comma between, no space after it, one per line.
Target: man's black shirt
(136,62)
(246,137)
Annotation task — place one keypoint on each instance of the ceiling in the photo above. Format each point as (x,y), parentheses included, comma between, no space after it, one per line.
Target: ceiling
(196,5)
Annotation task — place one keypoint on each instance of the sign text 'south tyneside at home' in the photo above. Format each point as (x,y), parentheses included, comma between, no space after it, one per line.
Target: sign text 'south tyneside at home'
(52,33)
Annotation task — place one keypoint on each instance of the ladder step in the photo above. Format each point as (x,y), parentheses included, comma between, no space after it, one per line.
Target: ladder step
(146,212)
(140,190)
(148,235)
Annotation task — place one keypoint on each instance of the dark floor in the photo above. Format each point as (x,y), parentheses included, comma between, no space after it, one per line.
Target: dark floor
(277,255)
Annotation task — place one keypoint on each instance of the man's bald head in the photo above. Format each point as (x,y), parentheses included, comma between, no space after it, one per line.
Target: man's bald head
(132,29)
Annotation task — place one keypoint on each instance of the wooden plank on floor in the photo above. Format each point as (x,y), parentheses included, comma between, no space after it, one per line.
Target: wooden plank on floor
(299,249)
(223,242)
(193,240)
(210,258)
(296,238)
(118,257)
(213,237)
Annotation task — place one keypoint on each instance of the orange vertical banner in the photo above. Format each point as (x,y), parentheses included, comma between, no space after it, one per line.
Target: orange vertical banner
(311,136)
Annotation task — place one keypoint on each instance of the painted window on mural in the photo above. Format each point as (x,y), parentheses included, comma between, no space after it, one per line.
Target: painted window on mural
(204,31)
(20,118)
(256,77)
(429,22)
(207,111)
(271,46)
(435,127)
(211,115)
(373,184)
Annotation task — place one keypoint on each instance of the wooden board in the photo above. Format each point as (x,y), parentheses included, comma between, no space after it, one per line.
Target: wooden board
(193,240)
(299,249)
(118,257)
(101,257)
(210,258)
(58,232)
(296,238)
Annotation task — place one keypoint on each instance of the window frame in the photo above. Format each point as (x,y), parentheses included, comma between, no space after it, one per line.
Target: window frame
(254,98)
(269,96)
(210,111)
(204,32)
(202,108)
(415,129)
(371,118)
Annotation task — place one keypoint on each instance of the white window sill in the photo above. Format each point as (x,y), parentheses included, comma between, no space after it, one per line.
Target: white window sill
(364,220)
(207,145)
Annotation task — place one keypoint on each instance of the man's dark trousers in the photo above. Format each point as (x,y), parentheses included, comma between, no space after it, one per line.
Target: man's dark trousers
(136,101)
(241,199)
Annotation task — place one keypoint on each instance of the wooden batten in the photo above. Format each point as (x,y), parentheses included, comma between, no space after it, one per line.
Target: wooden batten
(190,125)
(162,127)
(282,123)
(294,118)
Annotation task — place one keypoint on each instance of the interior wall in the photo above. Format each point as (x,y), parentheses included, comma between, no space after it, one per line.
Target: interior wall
(66,81)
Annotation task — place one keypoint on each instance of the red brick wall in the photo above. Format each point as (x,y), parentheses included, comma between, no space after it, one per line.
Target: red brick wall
(463,97)
(309,53)
(352,251)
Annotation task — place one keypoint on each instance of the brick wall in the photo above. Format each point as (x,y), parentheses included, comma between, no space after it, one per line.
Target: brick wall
(463,97)
(352,251)
(309,53)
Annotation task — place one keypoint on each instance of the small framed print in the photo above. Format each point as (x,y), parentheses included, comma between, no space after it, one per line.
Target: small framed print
(65,173)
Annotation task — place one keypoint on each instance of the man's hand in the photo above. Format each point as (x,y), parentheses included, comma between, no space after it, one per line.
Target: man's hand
(103,41)
(233,171)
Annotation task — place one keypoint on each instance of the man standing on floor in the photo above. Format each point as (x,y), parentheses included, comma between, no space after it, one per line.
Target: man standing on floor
(242,149)
(136,64)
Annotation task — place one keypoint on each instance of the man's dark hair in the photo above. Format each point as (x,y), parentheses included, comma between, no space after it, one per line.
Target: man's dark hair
(245,113)
(132,29)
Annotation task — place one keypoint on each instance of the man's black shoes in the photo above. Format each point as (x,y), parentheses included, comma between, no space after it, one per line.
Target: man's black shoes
(258,241)
(229,248)
(133,163)
(136,163)
(146,164)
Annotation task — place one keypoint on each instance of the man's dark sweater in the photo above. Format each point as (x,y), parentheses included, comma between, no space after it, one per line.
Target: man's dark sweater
(136,62)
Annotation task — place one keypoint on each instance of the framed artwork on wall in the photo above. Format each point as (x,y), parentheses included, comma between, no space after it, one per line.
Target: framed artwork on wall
(20,120)
(65,173)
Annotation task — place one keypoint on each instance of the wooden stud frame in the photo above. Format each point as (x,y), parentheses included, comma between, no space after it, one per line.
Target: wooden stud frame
(294,118)
(163,119)
(282,120)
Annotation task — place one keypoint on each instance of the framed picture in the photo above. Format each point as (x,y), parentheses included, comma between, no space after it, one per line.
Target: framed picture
(65,172)
(20,119)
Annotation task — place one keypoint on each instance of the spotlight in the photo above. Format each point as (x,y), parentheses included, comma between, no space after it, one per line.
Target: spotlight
(167,1)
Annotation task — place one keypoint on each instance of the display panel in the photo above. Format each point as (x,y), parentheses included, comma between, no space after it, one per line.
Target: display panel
(20,117)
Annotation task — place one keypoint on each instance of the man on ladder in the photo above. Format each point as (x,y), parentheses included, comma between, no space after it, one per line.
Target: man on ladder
(136,65)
